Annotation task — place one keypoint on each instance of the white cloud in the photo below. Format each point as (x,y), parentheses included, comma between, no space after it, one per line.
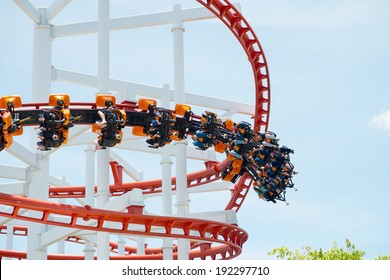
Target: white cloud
(381,120)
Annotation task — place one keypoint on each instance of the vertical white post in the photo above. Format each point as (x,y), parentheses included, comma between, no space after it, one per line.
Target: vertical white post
(104,46)
(38,189)
(89,250)
(10,238)
(61,247)
(141,246)
(121,245)
(90,175)
(102,197)
(182,201)
(41,88)
(103,155)
(166,171)
(41,72)
(61,244)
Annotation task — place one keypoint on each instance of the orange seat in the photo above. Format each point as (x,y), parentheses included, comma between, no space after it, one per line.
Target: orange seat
(143,103)
(15,99)
(102,98)
(180,109)
(54,97)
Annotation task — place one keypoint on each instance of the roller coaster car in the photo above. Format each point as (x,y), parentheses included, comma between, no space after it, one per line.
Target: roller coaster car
(211,133)
(268,194)
(203,140)
(52,131)
(5,137)
(110,138)
(271,140)
(244,129)
(181,127)
(160,127)
(13,101)
(238,167)
(112,134)
(103,99)
(9,123)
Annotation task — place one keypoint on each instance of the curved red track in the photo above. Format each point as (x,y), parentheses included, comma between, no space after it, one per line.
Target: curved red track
(229,238)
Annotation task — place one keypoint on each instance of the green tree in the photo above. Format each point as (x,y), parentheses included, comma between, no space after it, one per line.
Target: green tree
(308,253)
(383,258)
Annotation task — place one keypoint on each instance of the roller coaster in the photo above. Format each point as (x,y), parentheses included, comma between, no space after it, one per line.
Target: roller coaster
(254,158)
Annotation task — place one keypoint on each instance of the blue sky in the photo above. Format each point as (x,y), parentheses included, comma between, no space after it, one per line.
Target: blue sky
(329,64)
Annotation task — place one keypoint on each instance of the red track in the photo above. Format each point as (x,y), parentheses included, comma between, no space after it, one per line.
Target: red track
(219,240)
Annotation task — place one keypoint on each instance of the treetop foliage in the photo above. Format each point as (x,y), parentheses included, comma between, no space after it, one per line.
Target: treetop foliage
(335,253)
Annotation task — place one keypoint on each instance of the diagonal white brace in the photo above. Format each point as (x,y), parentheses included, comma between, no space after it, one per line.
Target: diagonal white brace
(56,7)
(23,154)
(29,9)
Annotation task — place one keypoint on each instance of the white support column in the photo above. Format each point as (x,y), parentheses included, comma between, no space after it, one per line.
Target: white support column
(42,46)
(103,87)
(102,197)
(166,171)
(38,189)
(182,201)
(90,175)
(104,46)
(10,238)
(61,247)
(61,244)
(141,246)
(121,245)
(89,250)
(41,88)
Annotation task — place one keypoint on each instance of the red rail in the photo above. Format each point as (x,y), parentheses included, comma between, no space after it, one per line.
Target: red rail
(229,237)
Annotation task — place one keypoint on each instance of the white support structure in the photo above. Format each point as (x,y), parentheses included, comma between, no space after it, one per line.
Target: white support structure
(133,173)
(166,171)
(182,200)
(34,180)
(232,107)
(39,183)
(41,79)
(90,175)
(139,21)
(23,154)
(10,237)
(103,180)
(121,245)
(89,250)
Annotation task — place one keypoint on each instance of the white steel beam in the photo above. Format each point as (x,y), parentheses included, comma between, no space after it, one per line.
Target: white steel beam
(156,92)
(13,172)
(58,233)
(138,144)
(132,22)
(55,181)
(141,146)
(18,188)
(56,7)
(29,9)
(135,174)
(23,154)
(209,187)
(226,216)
